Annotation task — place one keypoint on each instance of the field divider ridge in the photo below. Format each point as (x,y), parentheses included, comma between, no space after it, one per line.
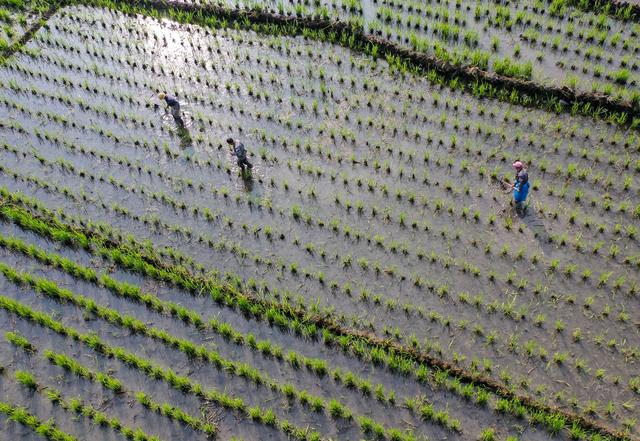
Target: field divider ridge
(31,31)
(469,78)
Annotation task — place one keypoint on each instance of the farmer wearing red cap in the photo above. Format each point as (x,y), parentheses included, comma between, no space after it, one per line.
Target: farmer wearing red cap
(520,187)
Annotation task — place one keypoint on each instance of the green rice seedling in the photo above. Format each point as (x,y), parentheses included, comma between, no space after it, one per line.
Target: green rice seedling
(488,434)
(505,377)
(26,379)
(543,354)
(569,269)
(337,410)
(46,429)
(604,278)
(623,317)
(580,365)
(20,341)
(634,384)
(577,335)
(315,403)
(577,432)
(555,423)
(366,424)
(495,44)
(560,357)
(630,423)
(597,246)
(610,408)
(621,76)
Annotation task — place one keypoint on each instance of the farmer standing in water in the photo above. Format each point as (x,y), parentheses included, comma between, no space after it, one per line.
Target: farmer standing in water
(240,153)
(174,106)
(520,186)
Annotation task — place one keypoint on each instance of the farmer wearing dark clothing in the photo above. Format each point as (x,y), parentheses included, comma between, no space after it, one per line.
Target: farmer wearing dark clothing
(240,153)
(520,186)
(174,106)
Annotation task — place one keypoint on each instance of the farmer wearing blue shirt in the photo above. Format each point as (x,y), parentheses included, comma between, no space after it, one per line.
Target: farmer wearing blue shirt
(174,106)
(240,153)
(520,186)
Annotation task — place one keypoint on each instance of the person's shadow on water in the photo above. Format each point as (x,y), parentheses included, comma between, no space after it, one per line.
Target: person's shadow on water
(185,138)
(186,143)
(535,222)
(247,180)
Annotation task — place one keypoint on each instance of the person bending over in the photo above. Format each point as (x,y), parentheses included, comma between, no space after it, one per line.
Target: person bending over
(174,106)
(238,150)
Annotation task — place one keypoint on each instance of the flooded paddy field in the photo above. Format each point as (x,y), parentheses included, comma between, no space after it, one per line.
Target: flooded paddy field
(368,278)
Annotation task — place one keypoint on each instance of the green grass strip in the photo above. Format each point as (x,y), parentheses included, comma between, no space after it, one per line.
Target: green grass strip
(154,371)
(113,384)
(334,407)
(132,292)
(176,414)
(45,429)
(79,407)
(20,341)
(106,380)
(142,258)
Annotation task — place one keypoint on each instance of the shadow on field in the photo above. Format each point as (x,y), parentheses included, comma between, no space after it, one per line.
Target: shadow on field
(532,219)
(247,181)
(186,142)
